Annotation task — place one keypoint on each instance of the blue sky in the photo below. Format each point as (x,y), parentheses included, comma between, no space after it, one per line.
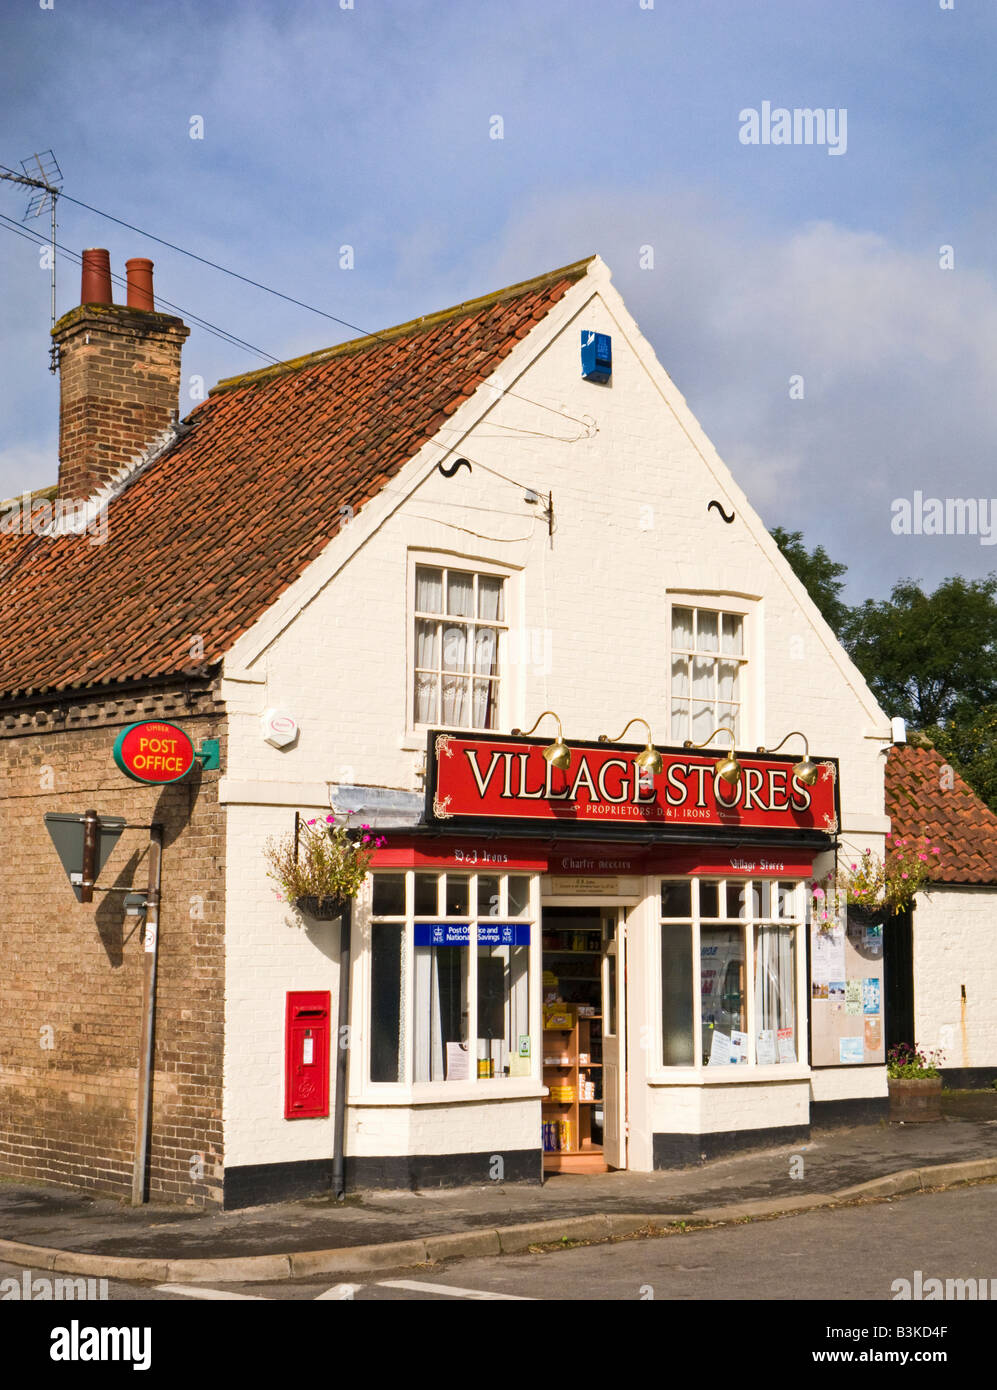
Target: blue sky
(369,126)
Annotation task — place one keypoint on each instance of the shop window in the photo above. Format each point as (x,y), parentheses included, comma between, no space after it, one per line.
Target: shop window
(459,625)
(746,934)
(457,922)
(707,676)
(440,1009)
(387,1012)
(503,1010)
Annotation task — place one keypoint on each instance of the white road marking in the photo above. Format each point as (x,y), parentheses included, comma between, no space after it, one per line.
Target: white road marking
(195,1291)
(449,1291)
(340,1291)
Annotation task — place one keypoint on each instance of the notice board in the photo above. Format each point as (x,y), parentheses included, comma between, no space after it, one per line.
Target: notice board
(846,994)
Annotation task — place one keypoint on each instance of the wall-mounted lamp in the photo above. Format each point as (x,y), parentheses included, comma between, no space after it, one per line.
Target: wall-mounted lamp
(558,754)
(650,759)
(727,769)
(806,771)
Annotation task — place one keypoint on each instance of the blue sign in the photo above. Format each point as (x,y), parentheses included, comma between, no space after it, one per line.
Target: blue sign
(459,933)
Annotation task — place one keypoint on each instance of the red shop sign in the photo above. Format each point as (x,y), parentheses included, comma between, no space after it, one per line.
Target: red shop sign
(154,751)
(504,778)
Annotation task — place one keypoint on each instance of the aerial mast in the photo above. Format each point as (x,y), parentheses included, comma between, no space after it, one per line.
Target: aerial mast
(42,173)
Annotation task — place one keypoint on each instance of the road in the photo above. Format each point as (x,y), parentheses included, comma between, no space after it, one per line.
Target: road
(851,1253)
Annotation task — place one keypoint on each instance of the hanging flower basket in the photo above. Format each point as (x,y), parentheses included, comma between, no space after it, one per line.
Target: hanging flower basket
(320,865)
(323,909)
(863,916)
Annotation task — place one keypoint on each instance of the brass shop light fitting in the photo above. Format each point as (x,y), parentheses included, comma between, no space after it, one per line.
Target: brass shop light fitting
(727,769)
(558,754)
(650,759)
(806,770)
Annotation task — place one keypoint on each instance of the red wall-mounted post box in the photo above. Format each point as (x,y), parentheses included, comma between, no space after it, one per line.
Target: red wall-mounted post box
(306,1055)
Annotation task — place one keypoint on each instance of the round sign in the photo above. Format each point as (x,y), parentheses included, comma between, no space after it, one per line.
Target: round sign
(154,752)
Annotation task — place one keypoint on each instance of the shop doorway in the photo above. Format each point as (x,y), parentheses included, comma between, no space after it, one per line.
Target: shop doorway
(584,1047)
(898,982)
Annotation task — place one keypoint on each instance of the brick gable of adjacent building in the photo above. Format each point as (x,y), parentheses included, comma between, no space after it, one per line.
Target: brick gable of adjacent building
(71,974)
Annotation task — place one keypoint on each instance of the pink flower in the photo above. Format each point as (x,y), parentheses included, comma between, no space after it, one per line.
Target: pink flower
(923,858)
(936,850)
(854,866)
(311,822)
(330,819)
(905,875)
(818,892)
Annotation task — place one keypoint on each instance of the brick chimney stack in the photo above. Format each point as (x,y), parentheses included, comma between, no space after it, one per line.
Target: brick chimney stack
(119,368)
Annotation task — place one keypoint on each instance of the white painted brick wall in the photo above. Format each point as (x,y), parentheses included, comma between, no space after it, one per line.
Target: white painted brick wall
(954,934)
(471,1127)
(716,1109)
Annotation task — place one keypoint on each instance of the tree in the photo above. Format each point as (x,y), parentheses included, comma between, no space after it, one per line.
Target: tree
(929,657)
(822,577)
(968,742)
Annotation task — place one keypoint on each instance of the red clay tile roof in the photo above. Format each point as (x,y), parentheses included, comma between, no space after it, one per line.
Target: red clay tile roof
(209,535)
(920,801)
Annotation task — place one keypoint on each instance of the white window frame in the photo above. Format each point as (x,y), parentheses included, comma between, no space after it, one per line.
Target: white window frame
(700,1073)
(751,676)
(362,1090)
(446,560)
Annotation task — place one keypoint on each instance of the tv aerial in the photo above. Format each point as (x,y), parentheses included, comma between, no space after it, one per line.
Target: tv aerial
(41,173)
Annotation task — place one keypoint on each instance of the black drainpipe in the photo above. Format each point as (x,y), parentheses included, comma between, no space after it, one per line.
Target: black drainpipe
(342,1053)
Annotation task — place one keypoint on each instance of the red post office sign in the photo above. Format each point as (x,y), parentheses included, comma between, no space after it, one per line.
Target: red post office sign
(154,752)
(507,779)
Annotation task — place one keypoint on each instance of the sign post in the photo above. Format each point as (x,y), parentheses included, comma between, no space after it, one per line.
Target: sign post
(83,844)
(150,956)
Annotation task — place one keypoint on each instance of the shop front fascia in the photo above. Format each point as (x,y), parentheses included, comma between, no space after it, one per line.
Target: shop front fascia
(664,917)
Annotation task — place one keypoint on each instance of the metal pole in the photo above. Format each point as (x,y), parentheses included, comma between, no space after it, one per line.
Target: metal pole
(149,957)
(342,1052)
(91,830)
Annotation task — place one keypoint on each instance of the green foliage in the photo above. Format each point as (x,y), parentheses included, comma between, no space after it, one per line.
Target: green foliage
(968,742)
(326,864)
(931,658)
(905,1062)
(822,577)
(927,656)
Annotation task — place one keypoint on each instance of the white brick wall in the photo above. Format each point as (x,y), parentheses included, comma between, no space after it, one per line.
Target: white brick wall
(471,1127)
(954,934)
(631,476)
(715,1109)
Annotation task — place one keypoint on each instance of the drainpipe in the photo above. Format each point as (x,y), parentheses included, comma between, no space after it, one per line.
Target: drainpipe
(149,957)
(342,1053)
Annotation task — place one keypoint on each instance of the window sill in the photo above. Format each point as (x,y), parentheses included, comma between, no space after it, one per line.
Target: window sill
(741,1075)
(452,1092)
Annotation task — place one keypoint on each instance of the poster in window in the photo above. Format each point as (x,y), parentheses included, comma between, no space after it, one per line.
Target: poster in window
(870,995)
(765,1052)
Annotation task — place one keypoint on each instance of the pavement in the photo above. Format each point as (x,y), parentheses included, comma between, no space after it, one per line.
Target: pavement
(54,1228)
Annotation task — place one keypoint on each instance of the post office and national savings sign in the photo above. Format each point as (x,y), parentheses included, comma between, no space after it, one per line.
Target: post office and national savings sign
(504,778)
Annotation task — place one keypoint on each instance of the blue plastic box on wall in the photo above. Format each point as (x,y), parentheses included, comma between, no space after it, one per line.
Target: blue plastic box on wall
(597,356)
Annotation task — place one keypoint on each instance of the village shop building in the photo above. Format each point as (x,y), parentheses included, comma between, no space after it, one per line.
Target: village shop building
(360,573)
